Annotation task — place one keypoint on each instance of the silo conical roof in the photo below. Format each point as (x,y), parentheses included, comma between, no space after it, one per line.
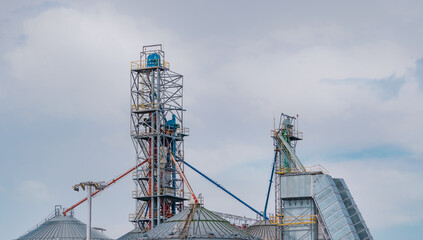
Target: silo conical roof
(264,230)
(62,227)
(196,222)
(132,235)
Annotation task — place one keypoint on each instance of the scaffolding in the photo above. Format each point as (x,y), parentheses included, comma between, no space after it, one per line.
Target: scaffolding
(157,133)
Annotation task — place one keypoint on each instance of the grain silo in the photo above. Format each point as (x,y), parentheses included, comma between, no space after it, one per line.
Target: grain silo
(196,222)
(58,227)
(264,230)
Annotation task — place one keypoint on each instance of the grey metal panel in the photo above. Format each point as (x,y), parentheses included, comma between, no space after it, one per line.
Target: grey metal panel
(205,224)
(332,209)
(349,236)
(296,186)
(264,230)
(299,207)
(62,227)
(337,212)
(352,209)
(132,235)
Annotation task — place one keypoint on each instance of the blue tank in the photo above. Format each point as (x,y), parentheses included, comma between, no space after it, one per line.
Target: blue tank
(153,60)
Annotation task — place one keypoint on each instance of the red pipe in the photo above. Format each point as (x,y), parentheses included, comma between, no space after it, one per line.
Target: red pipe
(110,183)
(183,177)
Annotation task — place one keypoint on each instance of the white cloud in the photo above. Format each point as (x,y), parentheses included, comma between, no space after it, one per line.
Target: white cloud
(35,190)
(387,194)
(264,82)
(226,155)
(75,64)
(310,35)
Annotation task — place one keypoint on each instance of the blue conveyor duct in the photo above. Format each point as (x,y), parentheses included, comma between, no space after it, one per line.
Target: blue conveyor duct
(219,186)
(270,185)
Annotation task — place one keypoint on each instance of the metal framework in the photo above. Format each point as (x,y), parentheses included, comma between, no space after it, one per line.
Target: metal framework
(285,141)
(239,221)
(309,203)
(157,133)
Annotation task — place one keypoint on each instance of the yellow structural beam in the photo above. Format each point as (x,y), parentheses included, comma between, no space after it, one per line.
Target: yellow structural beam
(135,65)
(315,168)
(143,106)
(293,220)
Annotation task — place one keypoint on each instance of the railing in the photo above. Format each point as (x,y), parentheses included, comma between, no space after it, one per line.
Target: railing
(143,106)
(147,132)
(293,220)
(142,173)
(312,169)
(142,133)
(290,132)
(183,131)
(163,191)
(136,65)
(48,218)
(133,217)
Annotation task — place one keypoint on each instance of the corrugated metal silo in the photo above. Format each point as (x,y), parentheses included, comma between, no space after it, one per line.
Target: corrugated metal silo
(132,235)
(264,230)
(60,227)
(196,222)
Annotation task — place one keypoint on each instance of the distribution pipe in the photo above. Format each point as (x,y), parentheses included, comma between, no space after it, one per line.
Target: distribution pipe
(219,186)
(270,185)
(110,183)
(183,177)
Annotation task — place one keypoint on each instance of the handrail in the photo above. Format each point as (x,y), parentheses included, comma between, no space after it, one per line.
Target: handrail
(291,132)
(311,169)
(163,191)
(293,220)
(183,131)
(146,132)
(143,106)
(137,65)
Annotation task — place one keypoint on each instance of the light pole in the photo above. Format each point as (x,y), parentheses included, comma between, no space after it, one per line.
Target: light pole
(89,187)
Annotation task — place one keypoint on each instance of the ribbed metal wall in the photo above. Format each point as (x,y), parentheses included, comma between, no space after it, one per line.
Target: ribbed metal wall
(64,228)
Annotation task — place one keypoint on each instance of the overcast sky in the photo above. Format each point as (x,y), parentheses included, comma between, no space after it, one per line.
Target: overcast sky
(352,70)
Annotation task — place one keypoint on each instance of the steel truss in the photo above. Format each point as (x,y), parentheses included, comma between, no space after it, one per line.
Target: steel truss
(157,130)
(283,158)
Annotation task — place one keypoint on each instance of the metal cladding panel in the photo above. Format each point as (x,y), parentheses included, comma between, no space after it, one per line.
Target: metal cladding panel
(62,227)
(337,212)
(264,230)
(299,207)
(332,208)
(352,209)
(132,235)
(297,186)
(204,225)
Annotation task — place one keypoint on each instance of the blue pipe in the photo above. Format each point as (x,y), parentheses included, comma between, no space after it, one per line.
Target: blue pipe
(270,185)
(219,186)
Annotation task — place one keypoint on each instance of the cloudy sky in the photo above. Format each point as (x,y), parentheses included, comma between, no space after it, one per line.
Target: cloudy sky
(352,70)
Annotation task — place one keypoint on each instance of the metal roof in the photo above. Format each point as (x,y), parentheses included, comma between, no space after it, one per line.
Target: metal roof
(263,229)
(132,235)
(196,222)
(62,227)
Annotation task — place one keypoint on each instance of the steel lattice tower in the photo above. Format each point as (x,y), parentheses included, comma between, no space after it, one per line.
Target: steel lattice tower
(283,158)
(157,131)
